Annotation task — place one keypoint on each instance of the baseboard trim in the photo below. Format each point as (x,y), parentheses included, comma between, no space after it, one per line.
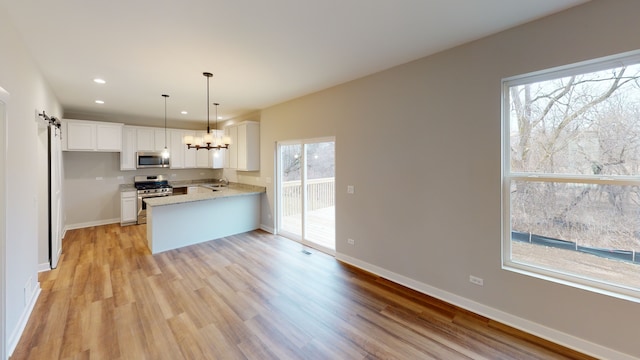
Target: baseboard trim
(12,341)
(519,323)
(89,224)
(268,229)
(44,267)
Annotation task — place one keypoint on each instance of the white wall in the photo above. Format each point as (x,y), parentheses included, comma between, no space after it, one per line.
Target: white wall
(421,144)
(28,93)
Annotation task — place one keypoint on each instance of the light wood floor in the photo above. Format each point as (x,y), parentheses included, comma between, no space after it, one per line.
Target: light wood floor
(250,296)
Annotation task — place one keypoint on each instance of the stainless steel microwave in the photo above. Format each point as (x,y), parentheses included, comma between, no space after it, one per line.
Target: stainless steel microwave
(151,159)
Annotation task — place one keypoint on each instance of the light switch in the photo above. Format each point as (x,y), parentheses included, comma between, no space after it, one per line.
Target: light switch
(350,189)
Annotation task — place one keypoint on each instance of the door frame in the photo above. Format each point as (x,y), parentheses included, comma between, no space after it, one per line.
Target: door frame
(278,191)
(4,98)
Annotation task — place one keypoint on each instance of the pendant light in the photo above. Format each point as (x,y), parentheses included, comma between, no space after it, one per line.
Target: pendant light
(209,141)
(165,152)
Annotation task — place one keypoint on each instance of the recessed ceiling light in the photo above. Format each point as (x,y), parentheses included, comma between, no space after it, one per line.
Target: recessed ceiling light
(99,102)
(99,81)
(183,112)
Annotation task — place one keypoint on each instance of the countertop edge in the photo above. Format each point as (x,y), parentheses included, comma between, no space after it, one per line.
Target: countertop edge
(188,198)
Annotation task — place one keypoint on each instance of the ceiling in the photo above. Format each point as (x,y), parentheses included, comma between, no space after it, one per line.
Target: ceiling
(260,52)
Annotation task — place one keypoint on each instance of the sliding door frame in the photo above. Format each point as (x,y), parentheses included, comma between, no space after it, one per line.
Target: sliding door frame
(279,206)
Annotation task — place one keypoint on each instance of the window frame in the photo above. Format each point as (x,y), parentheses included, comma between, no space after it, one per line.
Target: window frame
(507,177)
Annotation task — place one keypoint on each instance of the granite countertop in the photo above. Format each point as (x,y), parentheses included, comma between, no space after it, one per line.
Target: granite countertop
(180,183)
(127,187)
(233,189)
(177,183)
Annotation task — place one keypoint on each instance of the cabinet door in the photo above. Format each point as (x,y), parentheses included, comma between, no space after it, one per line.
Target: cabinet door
(252,146)
(81,136)
(242,147)
(108,137)
(189,154)
(232,152)
(159,139)
(128,208)
(248,146)
(128,153)
(177,149)
(218,156)
(145,139)
(202,156)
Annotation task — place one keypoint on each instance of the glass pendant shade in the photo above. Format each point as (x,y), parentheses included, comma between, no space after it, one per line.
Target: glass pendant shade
(208,138)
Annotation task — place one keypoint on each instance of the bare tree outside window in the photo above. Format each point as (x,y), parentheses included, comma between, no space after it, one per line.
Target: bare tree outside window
(574,172)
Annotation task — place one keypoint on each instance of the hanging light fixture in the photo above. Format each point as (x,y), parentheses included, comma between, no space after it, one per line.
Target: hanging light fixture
(209,141)
(165,152)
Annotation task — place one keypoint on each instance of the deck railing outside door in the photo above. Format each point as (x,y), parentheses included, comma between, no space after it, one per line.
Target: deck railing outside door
(320,194)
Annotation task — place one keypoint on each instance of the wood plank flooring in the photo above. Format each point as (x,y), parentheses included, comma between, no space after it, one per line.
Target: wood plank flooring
(250,296)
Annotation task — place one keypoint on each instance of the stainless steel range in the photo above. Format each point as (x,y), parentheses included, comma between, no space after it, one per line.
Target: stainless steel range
(148,187)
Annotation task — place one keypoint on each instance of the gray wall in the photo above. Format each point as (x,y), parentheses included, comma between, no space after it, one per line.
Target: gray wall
(90,201)
(421,144)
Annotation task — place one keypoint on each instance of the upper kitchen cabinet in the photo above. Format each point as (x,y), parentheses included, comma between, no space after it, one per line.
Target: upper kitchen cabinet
(85,135)
(177,149)
(244,152)
(128,153)
(211,159)
(150,139)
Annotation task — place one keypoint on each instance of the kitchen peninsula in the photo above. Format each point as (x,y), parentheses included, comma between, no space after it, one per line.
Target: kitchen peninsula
(207,214)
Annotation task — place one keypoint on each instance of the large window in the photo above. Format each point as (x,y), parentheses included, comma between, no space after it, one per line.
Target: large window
(571,175)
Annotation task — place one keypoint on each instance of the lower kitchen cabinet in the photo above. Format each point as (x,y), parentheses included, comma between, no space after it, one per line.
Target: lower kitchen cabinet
(128,207)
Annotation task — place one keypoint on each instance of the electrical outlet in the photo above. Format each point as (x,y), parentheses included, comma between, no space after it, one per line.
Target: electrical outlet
(476,280)
(351,242)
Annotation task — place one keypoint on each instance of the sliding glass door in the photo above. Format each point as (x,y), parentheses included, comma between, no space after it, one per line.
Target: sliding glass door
(306,196)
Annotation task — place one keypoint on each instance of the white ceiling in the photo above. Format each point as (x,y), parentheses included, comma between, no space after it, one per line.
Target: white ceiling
(260,52)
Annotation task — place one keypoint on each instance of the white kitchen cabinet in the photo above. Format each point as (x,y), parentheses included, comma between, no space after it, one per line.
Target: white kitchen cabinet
(176,149)
(128,207)
(128,153)
(151,139)
(145,139)
(210,159)
(190,155)
(80,136)
(108,137)
(218,156)
(85,135)
(160,139)
(202,155)
(231,157)
(244,152)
